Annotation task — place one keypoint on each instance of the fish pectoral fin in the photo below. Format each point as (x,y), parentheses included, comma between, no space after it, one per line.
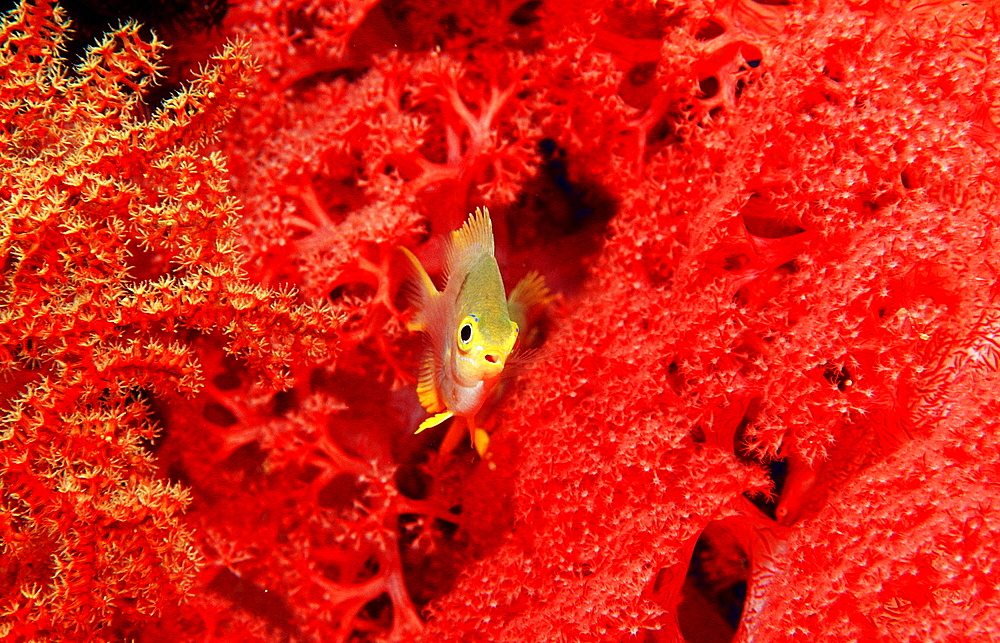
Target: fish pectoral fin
(427,388)
(434,420)
(528,299)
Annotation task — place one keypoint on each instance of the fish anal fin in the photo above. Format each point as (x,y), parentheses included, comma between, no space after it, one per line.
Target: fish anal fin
(433,421)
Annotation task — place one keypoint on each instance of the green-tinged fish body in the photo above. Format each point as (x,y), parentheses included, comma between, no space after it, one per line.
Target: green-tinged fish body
(468,326)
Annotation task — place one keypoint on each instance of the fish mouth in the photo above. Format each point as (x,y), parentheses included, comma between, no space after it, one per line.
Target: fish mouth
(484,368)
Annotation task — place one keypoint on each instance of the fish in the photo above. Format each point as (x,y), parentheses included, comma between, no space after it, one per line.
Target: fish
(468,327)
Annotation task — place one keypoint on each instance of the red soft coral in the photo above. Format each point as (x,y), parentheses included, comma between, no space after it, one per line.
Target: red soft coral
(763,292)
(773,228)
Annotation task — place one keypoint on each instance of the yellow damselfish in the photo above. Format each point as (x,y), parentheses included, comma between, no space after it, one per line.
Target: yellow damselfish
(468,327)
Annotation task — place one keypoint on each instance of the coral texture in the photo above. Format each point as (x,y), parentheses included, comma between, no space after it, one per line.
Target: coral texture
(763,409)
(118,250)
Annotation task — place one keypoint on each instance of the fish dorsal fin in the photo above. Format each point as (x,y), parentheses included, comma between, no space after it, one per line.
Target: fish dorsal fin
(419,290)
(427,386)
(474,237)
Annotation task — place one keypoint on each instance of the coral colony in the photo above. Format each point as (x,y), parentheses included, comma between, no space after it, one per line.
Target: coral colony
(761,404)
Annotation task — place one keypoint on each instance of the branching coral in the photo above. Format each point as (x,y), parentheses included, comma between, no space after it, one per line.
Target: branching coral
(293,509)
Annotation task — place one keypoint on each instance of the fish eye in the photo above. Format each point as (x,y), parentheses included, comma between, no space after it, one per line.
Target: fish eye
(466,330)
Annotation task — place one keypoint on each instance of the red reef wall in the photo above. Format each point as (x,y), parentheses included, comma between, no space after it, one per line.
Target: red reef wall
(764,403)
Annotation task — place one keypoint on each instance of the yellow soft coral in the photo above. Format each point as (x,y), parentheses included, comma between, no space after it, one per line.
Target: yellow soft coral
(117,247)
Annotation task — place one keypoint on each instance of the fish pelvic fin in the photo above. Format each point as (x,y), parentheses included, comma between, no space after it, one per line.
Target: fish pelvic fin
(419,290)
(481,440)
(433,421)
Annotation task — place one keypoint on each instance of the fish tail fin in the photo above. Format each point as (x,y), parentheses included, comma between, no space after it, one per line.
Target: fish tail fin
(419,290)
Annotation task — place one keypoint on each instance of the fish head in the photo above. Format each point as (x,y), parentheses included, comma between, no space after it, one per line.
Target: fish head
(483,342)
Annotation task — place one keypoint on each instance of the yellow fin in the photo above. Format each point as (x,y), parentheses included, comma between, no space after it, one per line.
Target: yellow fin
(433,421)
(427,389)
(527,300)
(419,289)
(481,440)
(475,235)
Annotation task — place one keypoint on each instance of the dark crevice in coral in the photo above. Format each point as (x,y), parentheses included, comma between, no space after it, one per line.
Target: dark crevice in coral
(430,572)
(301,87)
(358,290)
(309,473)
(94,17)
(407,26)
(232,374)
(666,131)
(839,376)
(740,86)
(642,73)
(590,204)
(709,29)
(145,264)
(715,587)
(646,22)
(176,474)
(559,220)
(447,528)
(759,219)
(708,87)
(284,402)
(369,570)
(526,14)
(379,613)
(637,88)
